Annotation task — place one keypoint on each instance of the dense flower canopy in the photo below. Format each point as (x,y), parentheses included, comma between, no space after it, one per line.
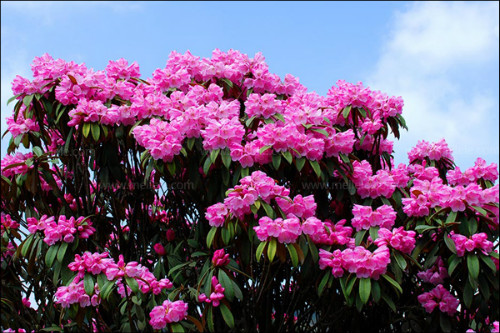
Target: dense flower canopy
(215,194)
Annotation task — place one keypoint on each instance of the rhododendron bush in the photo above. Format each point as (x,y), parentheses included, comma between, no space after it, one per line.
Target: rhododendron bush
(216,195)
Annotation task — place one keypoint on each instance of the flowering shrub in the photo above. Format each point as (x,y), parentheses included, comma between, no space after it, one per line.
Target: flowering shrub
(215,195)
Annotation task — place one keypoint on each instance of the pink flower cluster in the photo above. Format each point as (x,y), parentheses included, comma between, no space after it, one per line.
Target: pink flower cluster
(6,223)
(477,241)
(326,232)
(18,158)
(398,239)
(479,171)
(365,217)
(64,230)
(436,274)
(357,260)
(286,231)
(75,293)
(303,207)
(168,312)
(217,294)
(264,105)
(97,263)
(434,151)
(220,258)
(21,125)
(369,185)
(426,194)
(241,197)
(439,296)
(161,138)
(358,96)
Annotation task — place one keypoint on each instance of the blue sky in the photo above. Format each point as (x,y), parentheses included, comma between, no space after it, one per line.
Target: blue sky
(442,58)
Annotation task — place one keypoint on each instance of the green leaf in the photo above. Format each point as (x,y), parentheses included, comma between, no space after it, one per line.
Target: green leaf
(132,283)
(228,82)
(376,291)
(263,149)
(453,262)
(393,282)
(27,244)
(313,250)
(237,291)
(487,260)
(227,315)
(316,167)
(424,227)
(96,131)
(176,327)
(288,156)
(249,121)
(480,210)
(276,161)
(293,255)
(473,265)
(271,249)
(227,284)
(374,233)
(210,319)
(50,256)
(449,243)
(52,329)
(346,111)
(444,322)
(260,249)
(226,158)
(38,151)
(206,165)
(268,209)
(27,100)
(279,116)
(451,217)
(86,129)
(468,295)
(210,236)
(244,172)
(190,143)
(389,302)
(88,283)
(171,168)
(359,237)
(320,130)
(365,287)
(299,163)
(12,98)
(400,260)
(62,252)
(323,283)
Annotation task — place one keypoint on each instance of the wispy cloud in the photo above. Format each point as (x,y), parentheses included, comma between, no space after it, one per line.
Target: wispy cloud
(437,56)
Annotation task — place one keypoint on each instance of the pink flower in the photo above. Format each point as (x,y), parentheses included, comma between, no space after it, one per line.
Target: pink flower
(398,239)
(220,258)
(159,249)
(477,241)
(216,214)
(168,312)
(439,296)
(364,217)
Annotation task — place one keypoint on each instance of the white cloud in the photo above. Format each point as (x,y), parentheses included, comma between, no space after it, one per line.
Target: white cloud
(435,57)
